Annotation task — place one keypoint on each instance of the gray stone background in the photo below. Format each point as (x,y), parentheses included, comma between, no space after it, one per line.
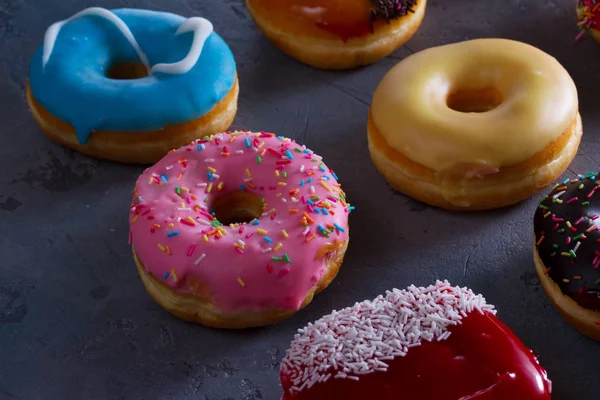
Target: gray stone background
(75,321)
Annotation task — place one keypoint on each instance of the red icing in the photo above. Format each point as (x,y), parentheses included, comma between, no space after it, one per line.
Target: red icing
(346,30)
(343,18)
(481,360)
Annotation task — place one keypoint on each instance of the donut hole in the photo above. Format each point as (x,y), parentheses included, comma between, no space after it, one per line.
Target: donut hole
(237,207)
(474,101)
(127,70)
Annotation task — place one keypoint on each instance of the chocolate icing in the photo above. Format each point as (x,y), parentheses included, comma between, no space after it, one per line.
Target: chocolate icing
(567,233)
(391,9)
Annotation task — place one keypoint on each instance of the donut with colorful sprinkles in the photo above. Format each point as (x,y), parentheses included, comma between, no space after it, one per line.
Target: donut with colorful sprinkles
(567,250)
(438,342)
(588,18)
(238,229)
(129,85)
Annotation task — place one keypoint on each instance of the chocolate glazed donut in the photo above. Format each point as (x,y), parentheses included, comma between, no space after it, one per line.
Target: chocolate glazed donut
(567,236)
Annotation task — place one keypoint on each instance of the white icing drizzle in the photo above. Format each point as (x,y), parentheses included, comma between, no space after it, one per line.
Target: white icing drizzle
(360,339)
(54,29)
(202,29)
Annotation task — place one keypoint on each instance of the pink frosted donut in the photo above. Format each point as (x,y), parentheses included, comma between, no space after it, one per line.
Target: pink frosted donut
(238,230)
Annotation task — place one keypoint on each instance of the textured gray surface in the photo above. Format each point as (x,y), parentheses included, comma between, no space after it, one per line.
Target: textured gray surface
(76,323)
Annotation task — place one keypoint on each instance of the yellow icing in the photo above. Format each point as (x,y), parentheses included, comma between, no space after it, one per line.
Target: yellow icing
(537,103)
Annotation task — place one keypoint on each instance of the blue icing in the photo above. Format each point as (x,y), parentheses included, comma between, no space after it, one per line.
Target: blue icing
(73,85)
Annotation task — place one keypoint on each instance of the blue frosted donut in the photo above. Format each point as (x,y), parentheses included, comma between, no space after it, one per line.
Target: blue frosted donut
(191,72)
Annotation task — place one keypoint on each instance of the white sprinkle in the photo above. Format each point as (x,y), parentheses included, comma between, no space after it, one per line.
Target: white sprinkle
(209,160)
(203,221)
(576,246)
(302,168)
(358,340)
(240,241)
(248,179)
(184,209)
(199,259)
(169,167)
(306,230)
(284,200)
(268,249)
(239,152)
(557,195)
(201,184)
(312,189)
(216,176)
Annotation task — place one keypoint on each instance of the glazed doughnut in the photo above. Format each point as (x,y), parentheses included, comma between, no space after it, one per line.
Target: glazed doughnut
(588,17)
(238,230)
(439,342)
(129,85)
(567,250)
(474,125)
(337,34)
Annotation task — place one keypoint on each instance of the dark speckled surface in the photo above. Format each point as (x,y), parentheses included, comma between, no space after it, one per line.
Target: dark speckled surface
(75,321)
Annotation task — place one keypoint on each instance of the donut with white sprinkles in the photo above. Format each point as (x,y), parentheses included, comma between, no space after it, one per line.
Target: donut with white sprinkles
(439,342)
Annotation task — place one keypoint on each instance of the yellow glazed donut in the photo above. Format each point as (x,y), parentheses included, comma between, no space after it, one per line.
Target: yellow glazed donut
(474,125)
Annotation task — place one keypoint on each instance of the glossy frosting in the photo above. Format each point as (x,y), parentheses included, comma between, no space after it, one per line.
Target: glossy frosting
(440,342)
(343,18)
(567,233)
(410,105)
(269,263)
(193,69)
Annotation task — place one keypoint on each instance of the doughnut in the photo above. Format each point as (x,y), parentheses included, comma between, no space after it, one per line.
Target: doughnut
(337,34)
(439,342)
(238,229)
(567,250)
(129,85)
(474,125)
(588,18)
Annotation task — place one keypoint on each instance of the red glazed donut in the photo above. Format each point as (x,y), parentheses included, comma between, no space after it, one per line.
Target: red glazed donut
(439,342)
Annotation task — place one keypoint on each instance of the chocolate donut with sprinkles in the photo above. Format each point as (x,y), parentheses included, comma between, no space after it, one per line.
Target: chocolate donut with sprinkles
(567,250)
(440,342)
(238,229)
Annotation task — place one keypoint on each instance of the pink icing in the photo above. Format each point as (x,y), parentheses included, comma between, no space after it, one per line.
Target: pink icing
(171,214)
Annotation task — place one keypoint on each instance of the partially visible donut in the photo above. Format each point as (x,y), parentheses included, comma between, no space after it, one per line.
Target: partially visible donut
(129,85)
(588,18)
(567,250)
(239,229)
(439,342)
(337,34)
